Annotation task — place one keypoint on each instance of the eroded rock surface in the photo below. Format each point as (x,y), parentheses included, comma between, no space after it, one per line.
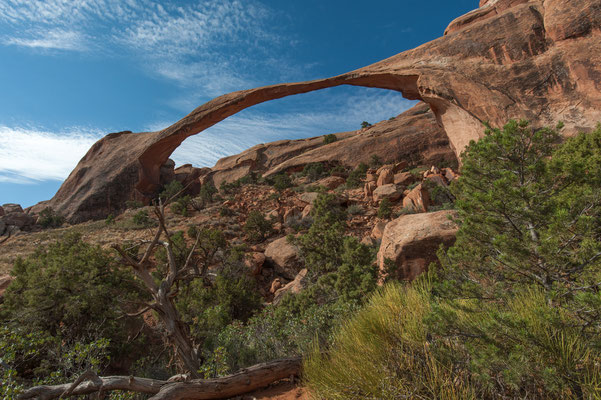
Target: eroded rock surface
(538,60)
(411,241)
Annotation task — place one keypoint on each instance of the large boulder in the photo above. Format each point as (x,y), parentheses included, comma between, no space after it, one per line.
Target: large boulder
(331,182)
(411,241)
(418,199)
(525,59)
(19,220)
(11,208)
(390,192)
(284,257)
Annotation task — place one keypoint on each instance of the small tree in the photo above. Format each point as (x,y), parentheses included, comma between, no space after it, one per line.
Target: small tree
(365,124)
(257,227)
(331,138)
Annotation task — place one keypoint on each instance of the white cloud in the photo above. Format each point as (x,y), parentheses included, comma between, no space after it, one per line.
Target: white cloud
(56,39)
(29,155)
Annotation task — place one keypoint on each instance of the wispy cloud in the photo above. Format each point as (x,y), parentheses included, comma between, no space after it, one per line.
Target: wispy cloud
(242,131)
(56,39)
(30,155)
(210,46)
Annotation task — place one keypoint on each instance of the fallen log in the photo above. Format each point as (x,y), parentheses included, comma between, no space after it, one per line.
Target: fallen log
(242,382)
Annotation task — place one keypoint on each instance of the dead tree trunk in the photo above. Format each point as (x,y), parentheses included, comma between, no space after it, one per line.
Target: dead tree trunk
(244,381)
(163,294)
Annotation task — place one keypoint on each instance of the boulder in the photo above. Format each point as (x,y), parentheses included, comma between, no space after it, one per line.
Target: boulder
(418,199)
(331,182)
(378,230)
(307,211)
(368,189)
(19,220)
(411,241)
(2,211)
(254,262)
(403,179)
(438,179)
(371,177)
(2,227)
(284,257)
(309,197)
(294,287)
(11,208)
(291,214)
(390,191)
(276,284)
(385,177)
(398,167)
(449,174)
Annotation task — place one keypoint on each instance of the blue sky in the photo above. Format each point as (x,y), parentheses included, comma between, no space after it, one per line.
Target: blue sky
(72,71)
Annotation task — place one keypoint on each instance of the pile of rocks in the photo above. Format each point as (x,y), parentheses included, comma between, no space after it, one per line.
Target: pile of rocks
(13,219)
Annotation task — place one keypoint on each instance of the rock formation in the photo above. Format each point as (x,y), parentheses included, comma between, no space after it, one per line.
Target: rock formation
(411,241)
(533,59)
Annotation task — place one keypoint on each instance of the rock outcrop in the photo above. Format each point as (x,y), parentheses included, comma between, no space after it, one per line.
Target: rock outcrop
(284,257)
(411,242)
(538,60)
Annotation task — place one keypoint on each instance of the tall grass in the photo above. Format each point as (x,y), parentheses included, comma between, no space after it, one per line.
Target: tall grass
(407,344)
(383,353)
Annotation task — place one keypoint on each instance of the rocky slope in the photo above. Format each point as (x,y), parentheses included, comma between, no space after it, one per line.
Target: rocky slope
(533,59)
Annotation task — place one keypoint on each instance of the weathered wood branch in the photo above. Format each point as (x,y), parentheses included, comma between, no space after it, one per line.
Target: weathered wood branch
(244,381)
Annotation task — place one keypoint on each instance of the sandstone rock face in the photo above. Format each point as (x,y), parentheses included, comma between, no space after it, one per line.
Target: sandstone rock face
(417,200)
(331,182)
(411,241)
(390,192)
(284,257)
(254,262)
(403,179)
(385,177)
(11,208)
(532,59)
(368,189)
(1,211)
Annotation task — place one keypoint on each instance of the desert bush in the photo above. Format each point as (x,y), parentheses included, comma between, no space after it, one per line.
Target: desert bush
(67,295)
(207,191)
(141,219)
(281,181)
(257,227)
(50,219)
(330,138)
(385,209)
(355,209)
(375,161)
(180,205)
(133,204)
(314,171)
(355,177)
(170,190)
(365,124)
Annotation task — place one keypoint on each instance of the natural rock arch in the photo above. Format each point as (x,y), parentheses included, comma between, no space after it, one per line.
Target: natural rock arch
(533,59)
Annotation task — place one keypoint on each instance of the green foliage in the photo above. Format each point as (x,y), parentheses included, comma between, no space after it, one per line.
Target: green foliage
(141,219)
(314,171)
(170,190)
(365,124)
(355,209)
(375,161)
(226,212)
(50,219)
(180,206)
(385,209)
(207,191)
(257,227)
(110,220)
(66,297)
(514,310)
(281,181)
(355,177)
(331,138)
(133,204)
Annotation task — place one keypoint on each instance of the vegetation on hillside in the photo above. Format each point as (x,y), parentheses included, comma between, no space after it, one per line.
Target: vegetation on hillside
(513,309)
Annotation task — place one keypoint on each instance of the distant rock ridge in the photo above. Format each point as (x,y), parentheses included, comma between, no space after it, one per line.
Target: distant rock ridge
(538,60)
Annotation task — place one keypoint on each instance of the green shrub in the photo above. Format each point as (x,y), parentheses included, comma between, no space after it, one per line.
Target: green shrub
(50,219)
(133,204)
(365,124)
(281,181)
(354,179)
(170,190)
(68,294)
(141,219)
(375,161)
(331,138)
(385,209)
(226,212)
(314,171)
(207,191)
(110,220)
(257,227)
(355,209)
(180,206)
